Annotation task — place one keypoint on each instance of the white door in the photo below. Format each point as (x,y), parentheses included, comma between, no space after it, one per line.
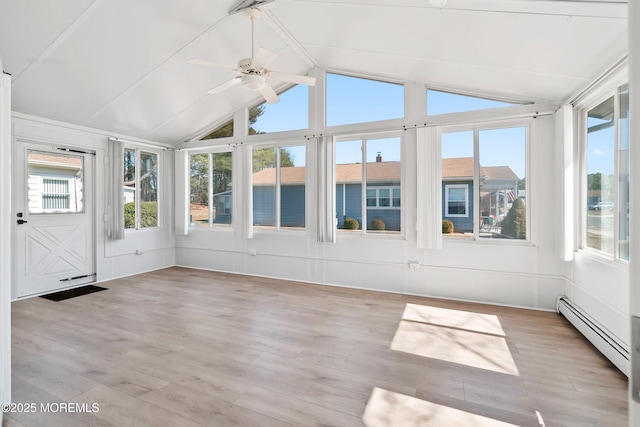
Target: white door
(53,216)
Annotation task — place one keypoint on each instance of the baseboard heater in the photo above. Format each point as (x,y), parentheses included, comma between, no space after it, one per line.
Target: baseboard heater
(607,343)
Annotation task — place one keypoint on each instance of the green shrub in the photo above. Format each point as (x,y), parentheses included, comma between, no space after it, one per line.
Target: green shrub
(447,226)
(148,217)
(515,223)
(351,224)
(377,224)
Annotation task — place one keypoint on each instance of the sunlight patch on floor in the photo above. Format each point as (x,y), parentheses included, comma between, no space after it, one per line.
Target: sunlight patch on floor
(454,336)
(386,408)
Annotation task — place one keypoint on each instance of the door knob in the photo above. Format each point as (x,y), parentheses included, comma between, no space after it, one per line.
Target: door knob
(22,221)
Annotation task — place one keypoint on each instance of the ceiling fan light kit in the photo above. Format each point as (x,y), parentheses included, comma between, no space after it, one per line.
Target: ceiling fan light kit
(254,73)
(254,82)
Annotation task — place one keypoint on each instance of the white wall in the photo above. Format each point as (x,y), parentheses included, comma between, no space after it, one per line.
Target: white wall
(511,273)
(5,236)
(113,258)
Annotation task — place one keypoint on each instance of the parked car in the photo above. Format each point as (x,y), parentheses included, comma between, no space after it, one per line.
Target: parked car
(602,206)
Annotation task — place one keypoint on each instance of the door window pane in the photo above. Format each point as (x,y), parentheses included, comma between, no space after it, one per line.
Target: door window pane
(55,183)
(600,177)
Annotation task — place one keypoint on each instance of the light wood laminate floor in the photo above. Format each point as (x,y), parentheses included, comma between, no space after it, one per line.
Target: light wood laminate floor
(181,347)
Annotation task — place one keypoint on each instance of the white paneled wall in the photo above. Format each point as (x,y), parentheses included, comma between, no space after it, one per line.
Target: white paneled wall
(141,250)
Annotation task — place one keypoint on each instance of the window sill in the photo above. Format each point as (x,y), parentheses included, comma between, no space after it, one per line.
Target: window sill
(603,258)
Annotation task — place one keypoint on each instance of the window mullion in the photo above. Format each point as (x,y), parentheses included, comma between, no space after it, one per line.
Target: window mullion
(364,186)
(210,189)
(476,184)
(278,177)
(137,181)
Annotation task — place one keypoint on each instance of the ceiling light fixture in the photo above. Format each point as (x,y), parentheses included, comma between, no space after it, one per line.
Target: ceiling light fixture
(254,82)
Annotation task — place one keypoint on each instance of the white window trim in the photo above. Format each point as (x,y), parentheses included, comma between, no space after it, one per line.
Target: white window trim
(466,200)
(383,187)
(476,128)
(612,89)
(363,137)
(210,224)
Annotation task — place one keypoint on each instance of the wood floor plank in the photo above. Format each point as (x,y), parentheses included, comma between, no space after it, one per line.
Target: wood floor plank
(197,348)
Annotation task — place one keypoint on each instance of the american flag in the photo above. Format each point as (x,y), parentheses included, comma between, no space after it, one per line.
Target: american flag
(511,195)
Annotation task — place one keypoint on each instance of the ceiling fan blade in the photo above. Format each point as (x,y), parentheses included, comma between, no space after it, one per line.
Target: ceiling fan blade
(291,78)
(226,85)
(209,64)
(264,57)
(269,94)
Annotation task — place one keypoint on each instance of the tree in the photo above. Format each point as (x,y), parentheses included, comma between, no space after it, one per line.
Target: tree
(515,223)
(594,181)
(226,130)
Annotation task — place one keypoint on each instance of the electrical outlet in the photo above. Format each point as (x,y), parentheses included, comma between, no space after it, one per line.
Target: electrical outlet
(413,265)
(253,252)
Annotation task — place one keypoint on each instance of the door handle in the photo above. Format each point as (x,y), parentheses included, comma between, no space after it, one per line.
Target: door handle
(22,221)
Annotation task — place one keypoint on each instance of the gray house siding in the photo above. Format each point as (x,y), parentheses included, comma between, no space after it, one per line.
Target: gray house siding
(459,223)
(391,217)
(292,212)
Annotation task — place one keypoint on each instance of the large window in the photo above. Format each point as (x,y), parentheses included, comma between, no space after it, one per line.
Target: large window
(376,165)
(140,189)
(484,182)
(607,176)
(356,100)
(211,189)
(279,187)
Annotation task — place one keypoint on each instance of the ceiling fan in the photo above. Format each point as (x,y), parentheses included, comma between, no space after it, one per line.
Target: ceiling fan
(254,73)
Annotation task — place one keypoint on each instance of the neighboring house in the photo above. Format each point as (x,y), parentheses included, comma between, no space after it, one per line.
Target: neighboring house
(499,186)
(292,193)
(498,189)
(55,183)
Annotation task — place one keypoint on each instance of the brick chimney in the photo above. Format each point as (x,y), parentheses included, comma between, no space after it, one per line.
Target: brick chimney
(379,157)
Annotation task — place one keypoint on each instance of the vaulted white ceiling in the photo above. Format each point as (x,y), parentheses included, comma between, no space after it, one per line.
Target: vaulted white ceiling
(121,65)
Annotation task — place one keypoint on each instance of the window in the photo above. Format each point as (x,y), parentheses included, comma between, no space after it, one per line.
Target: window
(484,182)
(457,200)
(291,113)
(224,131)
(55,183)
(376,165)
(383,197)
(211,195)
(356,100)
(140,189)
(607,175)
(279,187)
(446,102)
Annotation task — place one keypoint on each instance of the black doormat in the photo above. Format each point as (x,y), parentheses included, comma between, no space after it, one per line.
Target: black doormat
(72,293)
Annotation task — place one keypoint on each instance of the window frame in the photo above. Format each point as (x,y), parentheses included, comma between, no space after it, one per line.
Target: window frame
(363,137)
(613,89)
(466,200)
(477,127)
(210,152)
(158,153)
